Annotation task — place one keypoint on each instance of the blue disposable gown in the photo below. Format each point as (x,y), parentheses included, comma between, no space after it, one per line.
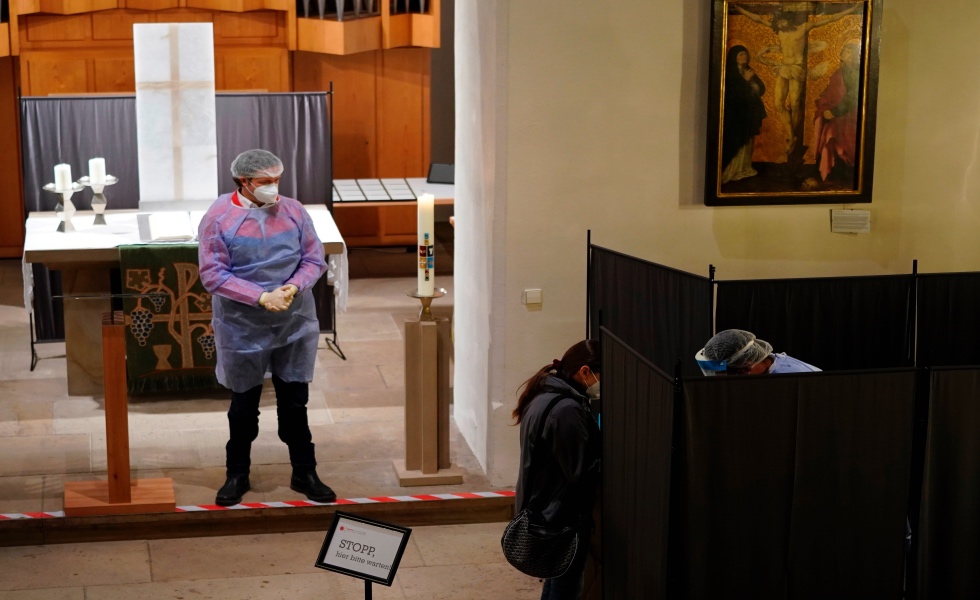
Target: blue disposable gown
(244,252)
(787,364)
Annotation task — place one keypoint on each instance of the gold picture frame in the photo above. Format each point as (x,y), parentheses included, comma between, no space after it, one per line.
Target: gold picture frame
(791,105)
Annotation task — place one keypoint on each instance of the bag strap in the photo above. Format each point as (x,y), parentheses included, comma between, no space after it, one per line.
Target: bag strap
(544,418)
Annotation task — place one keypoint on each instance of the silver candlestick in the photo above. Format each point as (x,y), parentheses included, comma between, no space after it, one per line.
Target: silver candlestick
(98,198)
(65,209)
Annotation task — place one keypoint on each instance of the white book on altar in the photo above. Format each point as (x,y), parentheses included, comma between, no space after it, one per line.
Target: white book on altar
(167,226)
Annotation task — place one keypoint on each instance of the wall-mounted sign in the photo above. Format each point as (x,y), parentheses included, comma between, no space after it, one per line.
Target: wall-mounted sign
(363,548)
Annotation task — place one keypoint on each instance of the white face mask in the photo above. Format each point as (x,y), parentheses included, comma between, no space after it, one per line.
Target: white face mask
(593,390)
(266,194)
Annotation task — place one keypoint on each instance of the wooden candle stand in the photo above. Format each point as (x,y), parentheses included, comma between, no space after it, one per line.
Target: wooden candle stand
(428,344)
(119,494)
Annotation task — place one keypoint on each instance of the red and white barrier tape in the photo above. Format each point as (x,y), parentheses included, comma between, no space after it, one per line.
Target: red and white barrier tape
(294,503)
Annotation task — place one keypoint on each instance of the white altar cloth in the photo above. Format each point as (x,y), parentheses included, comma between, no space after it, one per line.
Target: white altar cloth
(98,243)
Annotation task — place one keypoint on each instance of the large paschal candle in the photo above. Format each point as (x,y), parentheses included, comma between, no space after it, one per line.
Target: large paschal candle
(426,230)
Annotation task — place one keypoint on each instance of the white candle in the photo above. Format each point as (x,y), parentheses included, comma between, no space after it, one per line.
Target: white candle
(62,178)
(426,230)
(96,171)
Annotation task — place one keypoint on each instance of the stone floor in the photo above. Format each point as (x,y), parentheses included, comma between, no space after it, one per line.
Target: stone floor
(356,412)
(356,415)
(440,563)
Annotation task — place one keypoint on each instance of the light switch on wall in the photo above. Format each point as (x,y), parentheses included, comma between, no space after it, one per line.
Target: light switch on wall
(531,297)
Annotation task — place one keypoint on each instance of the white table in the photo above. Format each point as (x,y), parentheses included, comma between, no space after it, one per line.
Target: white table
(85,257)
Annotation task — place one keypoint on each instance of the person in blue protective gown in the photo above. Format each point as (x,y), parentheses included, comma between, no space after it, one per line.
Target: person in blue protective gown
(738,352)
(259,258)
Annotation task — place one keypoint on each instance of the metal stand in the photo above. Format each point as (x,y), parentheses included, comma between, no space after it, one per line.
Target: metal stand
(367,590)
(65,209)
(326,312)
(35,358)
(98,199)
(426,313)
(334,346)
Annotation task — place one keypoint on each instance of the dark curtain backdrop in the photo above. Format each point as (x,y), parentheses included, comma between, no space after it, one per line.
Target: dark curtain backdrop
(295,127)
(949,320)
(72,130)
(637,419)
(949,520)
(792,486)
(840,323)
(662,313)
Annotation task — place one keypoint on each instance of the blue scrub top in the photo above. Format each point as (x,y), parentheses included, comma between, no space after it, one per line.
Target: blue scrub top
(788,364)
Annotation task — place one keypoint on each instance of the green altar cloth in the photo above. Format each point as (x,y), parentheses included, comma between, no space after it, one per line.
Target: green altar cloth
(169,339)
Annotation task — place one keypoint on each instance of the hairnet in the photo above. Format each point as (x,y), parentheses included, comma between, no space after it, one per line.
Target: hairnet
(738,348)
(256,163)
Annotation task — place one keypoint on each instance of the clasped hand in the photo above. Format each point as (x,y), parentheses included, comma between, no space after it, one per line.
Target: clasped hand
(279,299)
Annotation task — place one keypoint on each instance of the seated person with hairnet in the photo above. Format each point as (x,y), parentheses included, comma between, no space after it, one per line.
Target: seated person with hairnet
(738,352)
(259,257)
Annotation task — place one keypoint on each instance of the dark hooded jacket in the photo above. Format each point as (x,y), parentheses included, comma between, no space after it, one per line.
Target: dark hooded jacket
(559,470)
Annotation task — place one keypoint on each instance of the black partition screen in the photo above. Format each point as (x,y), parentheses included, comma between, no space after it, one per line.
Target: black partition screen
(662,313)
(637,418)
(948,320)
(295,127)
(841,323)
(793,486)
(949,520)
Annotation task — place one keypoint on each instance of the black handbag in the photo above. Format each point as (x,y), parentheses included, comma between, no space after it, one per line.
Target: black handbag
(533,548)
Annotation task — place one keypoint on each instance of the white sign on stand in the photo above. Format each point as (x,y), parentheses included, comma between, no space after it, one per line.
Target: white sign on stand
(363,548)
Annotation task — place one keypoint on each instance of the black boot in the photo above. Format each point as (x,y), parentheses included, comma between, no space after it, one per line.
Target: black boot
(232,491)
(307,483)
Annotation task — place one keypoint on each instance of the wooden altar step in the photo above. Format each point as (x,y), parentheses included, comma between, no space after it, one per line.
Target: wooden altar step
(40,528)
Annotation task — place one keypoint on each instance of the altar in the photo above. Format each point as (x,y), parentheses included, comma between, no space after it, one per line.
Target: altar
(85,258)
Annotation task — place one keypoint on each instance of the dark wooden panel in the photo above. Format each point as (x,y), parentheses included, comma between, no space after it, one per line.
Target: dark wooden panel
(54,73)
(355,107)
(403,112)
(115,75)
(246,68)
(117,24)
(11,213)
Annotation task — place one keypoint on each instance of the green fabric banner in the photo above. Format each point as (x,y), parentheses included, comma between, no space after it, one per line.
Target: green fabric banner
(169,339)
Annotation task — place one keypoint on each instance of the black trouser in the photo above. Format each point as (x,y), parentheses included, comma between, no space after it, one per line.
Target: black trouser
(294,428)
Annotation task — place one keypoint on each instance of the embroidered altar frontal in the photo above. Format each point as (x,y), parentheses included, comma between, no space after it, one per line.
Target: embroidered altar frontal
(169,339)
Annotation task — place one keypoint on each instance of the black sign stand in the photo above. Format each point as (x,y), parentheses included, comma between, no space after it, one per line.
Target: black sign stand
(322,561)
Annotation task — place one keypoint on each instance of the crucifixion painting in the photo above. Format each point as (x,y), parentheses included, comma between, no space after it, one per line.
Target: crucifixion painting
(792,28)
(791,112)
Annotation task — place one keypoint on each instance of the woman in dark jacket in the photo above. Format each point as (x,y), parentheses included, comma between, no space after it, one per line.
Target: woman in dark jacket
(559,470)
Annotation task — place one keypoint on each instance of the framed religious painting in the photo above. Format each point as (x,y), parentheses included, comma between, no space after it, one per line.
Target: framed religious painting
(791,105)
